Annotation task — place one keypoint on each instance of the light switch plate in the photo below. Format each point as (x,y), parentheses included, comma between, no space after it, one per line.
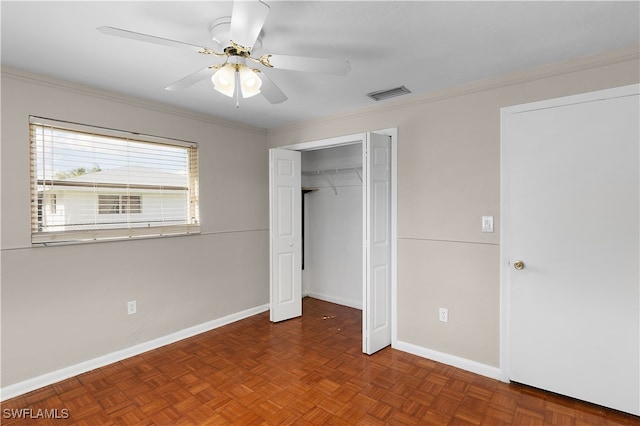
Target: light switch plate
(487,223)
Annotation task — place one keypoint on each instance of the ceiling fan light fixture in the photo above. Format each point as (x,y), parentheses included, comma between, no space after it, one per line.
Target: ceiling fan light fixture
(250,82)
(224,80)
(229,76)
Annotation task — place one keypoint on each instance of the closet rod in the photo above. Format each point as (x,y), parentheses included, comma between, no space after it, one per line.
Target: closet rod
(339,169)
(336,170)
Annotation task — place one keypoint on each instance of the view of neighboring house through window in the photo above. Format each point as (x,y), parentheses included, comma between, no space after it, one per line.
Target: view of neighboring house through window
(119,204)
(92,183)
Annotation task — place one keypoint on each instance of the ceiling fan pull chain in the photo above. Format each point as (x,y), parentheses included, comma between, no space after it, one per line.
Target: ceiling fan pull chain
(237,77)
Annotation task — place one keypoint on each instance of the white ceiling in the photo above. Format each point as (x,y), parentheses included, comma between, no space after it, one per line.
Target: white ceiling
(423,45)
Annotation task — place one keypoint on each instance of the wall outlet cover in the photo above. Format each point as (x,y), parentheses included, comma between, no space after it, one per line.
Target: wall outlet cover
(443,314)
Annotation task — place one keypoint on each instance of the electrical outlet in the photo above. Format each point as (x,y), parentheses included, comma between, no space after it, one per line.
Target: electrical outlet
(132,307)
(443,314)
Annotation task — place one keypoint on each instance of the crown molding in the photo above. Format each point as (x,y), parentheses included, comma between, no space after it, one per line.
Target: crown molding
(44,80)
(627,54)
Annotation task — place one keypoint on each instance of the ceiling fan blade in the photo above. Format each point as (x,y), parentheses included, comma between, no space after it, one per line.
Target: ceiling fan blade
(319,65)
(247,20)
(270,91)
(191,79)
(118,32)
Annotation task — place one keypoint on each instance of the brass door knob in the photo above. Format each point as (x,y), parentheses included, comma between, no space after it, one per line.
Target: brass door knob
(518,264)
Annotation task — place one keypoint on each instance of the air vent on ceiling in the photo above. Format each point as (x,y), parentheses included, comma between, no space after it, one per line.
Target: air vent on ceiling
(386,94)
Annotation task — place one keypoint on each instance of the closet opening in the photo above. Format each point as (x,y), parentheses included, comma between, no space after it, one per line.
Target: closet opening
(332,197)
(346,230)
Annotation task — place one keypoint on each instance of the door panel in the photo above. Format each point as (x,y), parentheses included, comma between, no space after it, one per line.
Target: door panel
(571,195)
(380,292)
(377,212)
(285,234)
(286,218)
(286,266)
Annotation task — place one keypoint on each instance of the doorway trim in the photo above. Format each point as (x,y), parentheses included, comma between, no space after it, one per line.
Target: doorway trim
(359,137)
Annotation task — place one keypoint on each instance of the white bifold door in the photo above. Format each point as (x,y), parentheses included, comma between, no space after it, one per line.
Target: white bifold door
(285,200)
(285,238)
(377,245)
(570,249)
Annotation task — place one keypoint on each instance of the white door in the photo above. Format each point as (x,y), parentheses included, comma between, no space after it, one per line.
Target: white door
(570,179)
(376,333)
(285,215)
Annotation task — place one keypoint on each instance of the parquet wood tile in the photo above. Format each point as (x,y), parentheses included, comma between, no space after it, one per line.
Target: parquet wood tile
(306,371)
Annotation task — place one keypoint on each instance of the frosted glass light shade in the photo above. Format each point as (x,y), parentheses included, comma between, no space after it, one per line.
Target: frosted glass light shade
(224,80)
(250,83)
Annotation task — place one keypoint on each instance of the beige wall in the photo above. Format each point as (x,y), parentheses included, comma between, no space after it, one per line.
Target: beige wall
(67,304)
(64,305)
(448,177)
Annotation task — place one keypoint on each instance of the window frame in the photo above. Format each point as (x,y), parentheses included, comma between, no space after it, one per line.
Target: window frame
(125,208)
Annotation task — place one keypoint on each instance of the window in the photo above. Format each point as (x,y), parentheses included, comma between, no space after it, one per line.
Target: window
(93,184)
(53,203)
(108,204)
(131,204)
(119,204)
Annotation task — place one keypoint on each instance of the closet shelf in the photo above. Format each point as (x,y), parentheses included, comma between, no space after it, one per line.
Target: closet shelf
(325,172)
(334,170)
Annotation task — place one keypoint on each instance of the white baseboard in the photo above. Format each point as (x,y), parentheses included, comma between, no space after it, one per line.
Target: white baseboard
(455,361)
(336,300)
(29,385)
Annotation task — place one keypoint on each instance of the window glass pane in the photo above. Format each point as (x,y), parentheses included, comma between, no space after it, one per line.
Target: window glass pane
(108,204)
(131,204)
(83,180)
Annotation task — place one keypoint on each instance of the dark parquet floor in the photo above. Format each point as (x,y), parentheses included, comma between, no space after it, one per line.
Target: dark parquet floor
(305,371)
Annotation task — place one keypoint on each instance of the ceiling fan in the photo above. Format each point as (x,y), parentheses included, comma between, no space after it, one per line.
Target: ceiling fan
(237,37)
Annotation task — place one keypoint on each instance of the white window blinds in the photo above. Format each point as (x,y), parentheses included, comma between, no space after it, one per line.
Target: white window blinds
(93,184)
